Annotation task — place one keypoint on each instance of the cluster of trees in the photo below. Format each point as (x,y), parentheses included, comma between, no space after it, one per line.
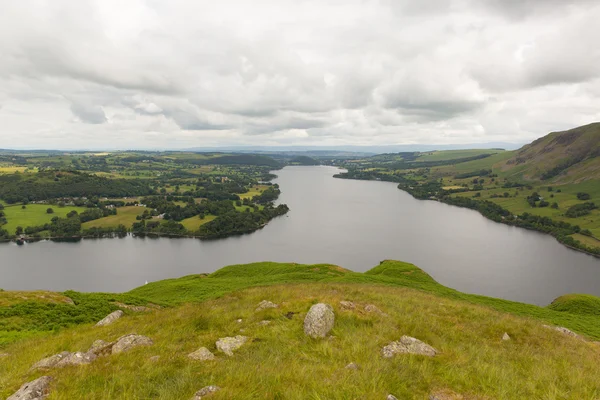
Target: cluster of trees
(238,223)
(579,210)
(482,172)
(583,196)
(267,196)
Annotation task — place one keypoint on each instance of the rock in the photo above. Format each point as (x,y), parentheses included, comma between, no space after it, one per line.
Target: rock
(505,336)
(101,348)
(205,391)
(239,321)
(50,362)
(68,300)
(34,390)
(228,344)
(351,366)
(110,318)
(371,308)
(264,322)
(127,342)
(391,397)
(347,305)
(319,320)
(266,304)
(564,331)
(154,359)
(408,345)
(202,354)
(77,358)
(133,308)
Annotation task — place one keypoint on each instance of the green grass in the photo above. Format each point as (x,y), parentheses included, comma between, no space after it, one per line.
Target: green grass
(125,216)
(254,191)
(445,155)
(192,224)
(280,362)
(34,215)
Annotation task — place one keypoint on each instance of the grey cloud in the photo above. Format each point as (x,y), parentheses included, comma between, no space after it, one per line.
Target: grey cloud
(89,114)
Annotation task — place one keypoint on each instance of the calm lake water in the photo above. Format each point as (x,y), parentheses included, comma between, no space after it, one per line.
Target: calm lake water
(354,224)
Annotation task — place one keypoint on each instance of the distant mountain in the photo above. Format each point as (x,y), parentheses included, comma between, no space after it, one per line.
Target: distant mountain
(561,157)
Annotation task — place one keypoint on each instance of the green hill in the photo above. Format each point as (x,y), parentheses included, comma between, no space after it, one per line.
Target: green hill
(278,361)
(560,157)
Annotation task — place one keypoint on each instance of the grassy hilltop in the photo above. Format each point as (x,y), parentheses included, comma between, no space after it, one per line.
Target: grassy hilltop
(280,362)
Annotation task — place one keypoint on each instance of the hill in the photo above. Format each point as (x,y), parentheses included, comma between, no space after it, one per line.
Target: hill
(560,157)
(278,361)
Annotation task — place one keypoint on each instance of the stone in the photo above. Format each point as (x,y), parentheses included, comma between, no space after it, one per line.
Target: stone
(228,344)
(264,322)
(101,348)
(110,318)
(347,305)
(205,391)
(34,390)
(77,358)
(133,308)
(505,336)
(371,308)
(266,304)
(154,359)
(408,345)
(128,342)
(202,354)
(563,330)
(352,366)
(50,362)
(391,397)
(239,321)
(319,320)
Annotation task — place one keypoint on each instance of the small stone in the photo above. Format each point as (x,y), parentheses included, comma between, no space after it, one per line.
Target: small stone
(351,366)
(239,321)
(266,304)
(205,391)
(371,308)
(391,397)
(127,342)
(347,305)
(319,320)
(228,344)
(110,318)
(50,362)
(202,354)
(264,322)
(77,358)
(34,390)
(505,336)
(101,348)
(154,359)
(408,345)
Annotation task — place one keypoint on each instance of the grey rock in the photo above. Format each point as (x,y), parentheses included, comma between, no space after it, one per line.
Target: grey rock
(371,308)
(110,318)
(319,320)
(34,390)
(50,362)
(101,348)
(228,344)
(391,397)
(352,366)
(408,345)
(564,331)
(202,354)
(239,321)
(133,308)
(347,305)
(127,342)
(505,336)
(266,304)
(205,391)
(77,358)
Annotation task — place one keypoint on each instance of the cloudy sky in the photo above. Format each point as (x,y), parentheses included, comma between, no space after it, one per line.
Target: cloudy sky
(174,74)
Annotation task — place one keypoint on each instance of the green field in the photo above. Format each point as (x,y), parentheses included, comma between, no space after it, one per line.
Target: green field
(125,216)
(444,155)
(192,224)
(254,191)
(34,215)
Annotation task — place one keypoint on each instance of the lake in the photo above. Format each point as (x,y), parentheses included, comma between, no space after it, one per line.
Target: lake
(354,224)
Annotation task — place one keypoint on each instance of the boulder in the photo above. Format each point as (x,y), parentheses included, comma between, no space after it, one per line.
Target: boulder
(133,308)
(347,305)
(77,358)
(228,344)
(110,318)
(205,391)
(371,308)
(34,390)
(505,336)
(319,320)
(202,354)
(101,348)
(50,362)
(128,342)
(564,331)
(266,304)
(408,345)
(391,397)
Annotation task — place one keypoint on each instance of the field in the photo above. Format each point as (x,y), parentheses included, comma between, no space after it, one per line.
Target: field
(125,216)
(193,223)
(454,154)
(280,362)
(34,215)
(12,169)
(254,191)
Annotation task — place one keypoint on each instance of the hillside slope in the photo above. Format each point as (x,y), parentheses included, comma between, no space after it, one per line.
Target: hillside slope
(280,362)
(560,157)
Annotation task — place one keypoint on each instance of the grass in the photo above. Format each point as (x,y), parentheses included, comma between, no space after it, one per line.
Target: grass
(34,215)
(192,224)
(445,155)
(125,216)
(254,191)
(280,362)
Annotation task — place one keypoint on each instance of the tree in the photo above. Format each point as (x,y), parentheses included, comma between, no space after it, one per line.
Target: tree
(19,230)
(49,211)
(23,206)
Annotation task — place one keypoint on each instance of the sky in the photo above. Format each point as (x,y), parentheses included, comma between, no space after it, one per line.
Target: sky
(142,74)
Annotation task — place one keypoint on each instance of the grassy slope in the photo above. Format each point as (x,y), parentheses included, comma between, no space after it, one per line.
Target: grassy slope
(281,363)
(444,155)
(193,223)
(34,215)
(125,216)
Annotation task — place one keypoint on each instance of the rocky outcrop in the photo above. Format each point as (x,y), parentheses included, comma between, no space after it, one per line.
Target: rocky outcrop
(77,358)
(371,308)
(133,308)
(319,320)
(202,354)
(505,336)
(101,348)
(266,304)
(50,362)
(347,305)
(564,331)
(34,390)
(228,344)
(408,345)
(205,391)
(128,342)
(110,318)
